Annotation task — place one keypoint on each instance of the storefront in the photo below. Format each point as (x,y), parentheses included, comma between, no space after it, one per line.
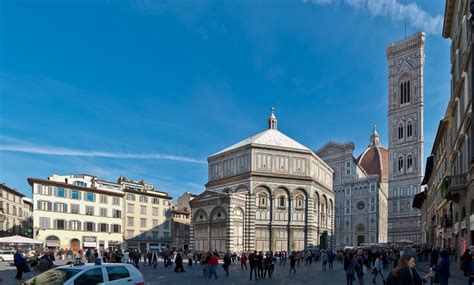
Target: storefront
(90,242)
(52,242)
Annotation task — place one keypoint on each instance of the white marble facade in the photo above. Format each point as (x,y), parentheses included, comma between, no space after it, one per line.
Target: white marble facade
(405,123)
(268,192)
(360,187)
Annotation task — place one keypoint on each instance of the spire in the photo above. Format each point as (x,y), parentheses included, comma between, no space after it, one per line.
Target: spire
(272,120)
(374,138)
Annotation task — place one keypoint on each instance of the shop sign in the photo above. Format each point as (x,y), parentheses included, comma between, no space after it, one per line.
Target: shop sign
(463,225)
(456,228)
(52,243)
(471,222)
(90,241)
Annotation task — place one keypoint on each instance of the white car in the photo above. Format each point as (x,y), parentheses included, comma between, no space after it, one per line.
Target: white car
(90,274)
(7,255)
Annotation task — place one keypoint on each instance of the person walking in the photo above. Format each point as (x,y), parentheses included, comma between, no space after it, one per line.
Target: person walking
(268,264)
(349,267)
(213,261)
(243,261)
(405,272)
(293,262)
(179,263)
(378,269)
(359,269)
(260,265)
(204,263)
(154,258)
(253,265)
(442,268)
(324,259)
(227,262)
(20,263)
(331,257)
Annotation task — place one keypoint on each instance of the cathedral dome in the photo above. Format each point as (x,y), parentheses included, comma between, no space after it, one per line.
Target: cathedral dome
(374,159)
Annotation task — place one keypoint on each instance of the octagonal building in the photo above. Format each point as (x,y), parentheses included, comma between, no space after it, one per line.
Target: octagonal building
(268,193)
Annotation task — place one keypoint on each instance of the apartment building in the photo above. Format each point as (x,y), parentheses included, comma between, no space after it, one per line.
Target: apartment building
(147,223)
(15,212)
(448,202)
(180,230)
(77,211)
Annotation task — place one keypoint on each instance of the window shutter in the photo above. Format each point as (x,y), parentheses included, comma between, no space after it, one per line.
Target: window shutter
(50,206)
(38,206)
(55,224)
(65,208)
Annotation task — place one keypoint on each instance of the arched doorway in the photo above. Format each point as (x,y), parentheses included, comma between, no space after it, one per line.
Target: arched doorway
(52,242)
(360,233)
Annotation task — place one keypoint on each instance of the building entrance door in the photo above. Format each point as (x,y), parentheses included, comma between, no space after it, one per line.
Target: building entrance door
(360,240)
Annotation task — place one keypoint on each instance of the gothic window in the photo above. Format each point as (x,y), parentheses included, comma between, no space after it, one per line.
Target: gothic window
(409,162)
(409,130)
(400,132)
(404,92)
(281,201)
(401,93)
(408,91)
(400,164)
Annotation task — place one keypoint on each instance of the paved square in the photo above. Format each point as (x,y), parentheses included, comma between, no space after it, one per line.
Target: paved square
(194,276)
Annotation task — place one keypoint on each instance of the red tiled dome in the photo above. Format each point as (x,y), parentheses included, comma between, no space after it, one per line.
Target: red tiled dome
(374,160)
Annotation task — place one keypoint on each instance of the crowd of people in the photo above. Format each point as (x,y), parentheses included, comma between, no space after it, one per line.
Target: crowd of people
(261,265)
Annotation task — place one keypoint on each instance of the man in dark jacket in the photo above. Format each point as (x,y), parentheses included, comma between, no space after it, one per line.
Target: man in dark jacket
(227,262)
(253,265)
(442,268)
(20,263)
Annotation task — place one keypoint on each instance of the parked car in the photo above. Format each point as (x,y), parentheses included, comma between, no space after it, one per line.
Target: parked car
(90,274)
(7,255)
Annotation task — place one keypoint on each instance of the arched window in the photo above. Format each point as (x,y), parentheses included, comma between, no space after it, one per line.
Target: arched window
(401,93)
(400,132)
(262,200)
(409,130)
(409,162)
(408,91)
(400,164)
(404,92)
(281,201)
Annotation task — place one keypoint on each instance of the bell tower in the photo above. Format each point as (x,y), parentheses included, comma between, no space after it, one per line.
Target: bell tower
(405,142)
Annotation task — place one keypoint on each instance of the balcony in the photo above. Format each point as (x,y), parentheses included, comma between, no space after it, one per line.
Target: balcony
(453,187)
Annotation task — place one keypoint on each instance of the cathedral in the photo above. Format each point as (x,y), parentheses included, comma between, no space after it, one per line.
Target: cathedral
(361,190)
(265,193)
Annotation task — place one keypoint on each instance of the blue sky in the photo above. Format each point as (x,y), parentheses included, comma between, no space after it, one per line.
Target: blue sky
(150,89)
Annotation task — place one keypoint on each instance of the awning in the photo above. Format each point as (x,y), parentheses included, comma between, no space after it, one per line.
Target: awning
(19,239)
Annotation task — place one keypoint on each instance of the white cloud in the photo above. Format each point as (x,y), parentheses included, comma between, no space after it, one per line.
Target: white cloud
(396,11)
(20,146)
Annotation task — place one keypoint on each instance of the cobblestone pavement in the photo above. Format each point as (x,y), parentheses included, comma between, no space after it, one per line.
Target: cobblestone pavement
(194,276)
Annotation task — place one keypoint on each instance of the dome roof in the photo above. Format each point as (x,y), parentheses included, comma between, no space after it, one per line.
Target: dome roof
(374,160)
(269,137)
